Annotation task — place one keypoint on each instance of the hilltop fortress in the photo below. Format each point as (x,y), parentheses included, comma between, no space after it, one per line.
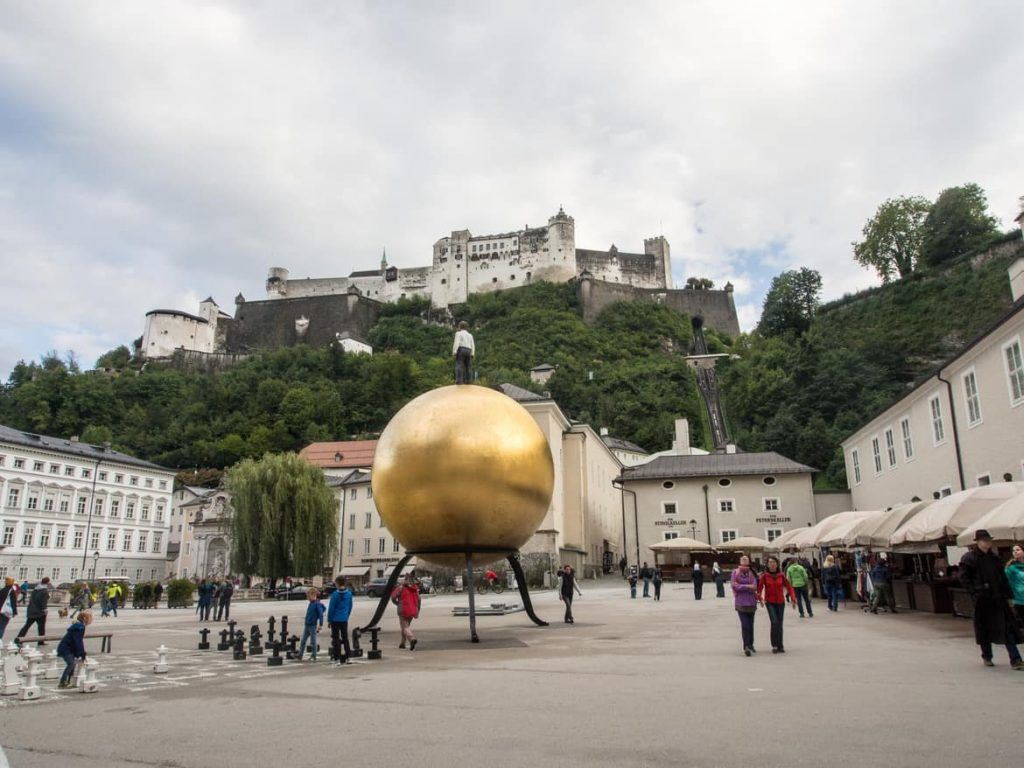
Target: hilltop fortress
(322,310)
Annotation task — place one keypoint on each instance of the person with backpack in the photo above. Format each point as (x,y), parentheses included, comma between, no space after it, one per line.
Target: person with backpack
(8,603)
(113,595)
(314,620)
(744,592)
(407,598)
(72,647)
(772,590)
(227,589)
(82,601)
(632,585)
(339,608)
(657,580)
(36,611)
(831,582)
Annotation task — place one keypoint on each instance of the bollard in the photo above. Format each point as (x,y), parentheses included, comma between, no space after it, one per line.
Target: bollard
(52,672)
(204,642)
(88,683)
(30,688)
(270,631)
(275,660)
(160,667)
(223,645)
(255,649)
(239,652)
(357,652)
(374,653)
(10,681)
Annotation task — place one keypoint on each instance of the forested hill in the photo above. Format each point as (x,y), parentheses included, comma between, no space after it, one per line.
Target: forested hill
(801,391)
(625,372)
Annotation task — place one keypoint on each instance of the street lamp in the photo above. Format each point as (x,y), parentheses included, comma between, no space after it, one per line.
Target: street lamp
(95,561)
(693,529)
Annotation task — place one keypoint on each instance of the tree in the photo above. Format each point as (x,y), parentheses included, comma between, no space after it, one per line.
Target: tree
(792,300)
(958,222)
(700,283)
(117,358)
(285,518)
(892,237)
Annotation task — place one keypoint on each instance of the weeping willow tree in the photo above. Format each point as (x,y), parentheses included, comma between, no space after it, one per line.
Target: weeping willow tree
(285,518)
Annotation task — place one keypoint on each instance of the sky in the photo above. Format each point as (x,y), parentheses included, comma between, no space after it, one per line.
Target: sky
(155,153)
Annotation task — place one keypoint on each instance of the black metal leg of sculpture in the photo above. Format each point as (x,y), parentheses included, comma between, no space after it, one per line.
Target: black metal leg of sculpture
(471,589)
(383,604)
(517,569)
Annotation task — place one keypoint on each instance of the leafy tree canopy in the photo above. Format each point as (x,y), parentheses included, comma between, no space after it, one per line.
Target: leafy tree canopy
(958,222)
(791,302)
(892,237)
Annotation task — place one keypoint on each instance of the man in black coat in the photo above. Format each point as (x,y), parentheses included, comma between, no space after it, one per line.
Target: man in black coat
(982,575)
(227,589)
(36,612)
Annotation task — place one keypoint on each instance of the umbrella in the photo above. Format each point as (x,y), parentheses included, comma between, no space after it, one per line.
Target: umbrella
(949,516)
(746,544)
(837,534)
(1005,522)
(807,538)
(875,532)
(681,544)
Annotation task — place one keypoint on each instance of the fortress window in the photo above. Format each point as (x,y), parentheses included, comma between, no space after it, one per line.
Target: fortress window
(443,281)
(512,278)
(494,279)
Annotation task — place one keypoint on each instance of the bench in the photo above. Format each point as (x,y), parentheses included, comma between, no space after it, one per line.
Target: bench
(105,637)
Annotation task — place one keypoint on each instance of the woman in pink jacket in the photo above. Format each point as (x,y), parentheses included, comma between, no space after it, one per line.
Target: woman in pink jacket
(744,591)
(407,598)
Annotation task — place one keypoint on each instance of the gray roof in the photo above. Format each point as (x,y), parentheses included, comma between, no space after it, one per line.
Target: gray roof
(82,450)
(543,367)
(715,465)
(365,273)
(618,444)
(355,477)
(521,395)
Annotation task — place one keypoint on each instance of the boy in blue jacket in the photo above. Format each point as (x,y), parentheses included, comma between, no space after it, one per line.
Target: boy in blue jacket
(338,611)
(72,647)
(314,621)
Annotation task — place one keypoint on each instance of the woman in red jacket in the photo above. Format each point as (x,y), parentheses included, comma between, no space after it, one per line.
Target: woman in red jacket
(407,598)
(771,593)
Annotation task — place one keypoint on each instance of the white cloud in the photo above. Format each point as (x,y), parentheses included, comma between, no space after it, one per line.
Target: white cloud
(154,153)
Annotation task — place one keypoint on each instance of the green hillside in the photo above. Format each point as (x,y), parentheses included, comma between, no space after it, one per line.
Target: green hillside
(625,372)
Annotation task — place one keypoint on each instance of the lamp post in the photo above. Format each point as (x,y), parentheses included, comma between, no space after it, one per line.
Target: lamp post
(95,562)
(693,529)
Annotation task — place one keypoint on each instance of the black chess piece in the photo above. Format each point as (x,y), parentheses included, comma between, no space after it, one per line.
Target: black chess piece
(374,653)
(356,652)
(224,644)
(284,629)
(270,631)
(275,660)
(231,628)
(292,648)
(239,652)
(204,642)
(255,649)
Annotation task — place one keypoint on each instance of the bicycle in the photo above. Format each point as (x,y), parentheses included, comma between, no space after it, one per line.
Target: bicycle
(486,585)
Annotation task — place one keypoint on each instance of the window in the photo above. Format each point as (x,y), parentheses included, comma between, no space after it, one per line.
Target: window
(772,533)
(668,507)
(126,542)
(395,546)
(44,536)
(876,453)
(86,473)
(159,513)
(669,535)
(366,546)
(351,546)
(771,505)
(908,440)
(855,462)
(890,448)
(63,504)
(163,485)
(81,505)
(33,502)
(726,505)
(77,538)
(37,466)
(13,497)
(138,574)
(727,535)
(938,430)
(145,512)
(352,494)
(381,546)
(111,541)
(143,540)
(769,480)
(118,478)
(972,399)
(115,507)
(2,460)
(19,463)
(1014,371)
(352,521)
(62,535)
(69,471)
(188,547)
(28,537)
(8,539)
(97,506)
(945,491)
(985,479)
(55,469)
(369,492)
(369,520)
(48,504)
(129,510)
(102,476)
(668,485)
(94,540)
(149,482)
(133,480)
(158,541)
(724,482)
(23,572)
(74,574)
(124,573)
(40,572)
(55,575)
(3,571)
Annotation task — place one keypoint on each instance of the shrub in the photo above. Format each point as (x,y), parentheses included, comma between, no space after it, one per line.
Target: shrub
(179,593)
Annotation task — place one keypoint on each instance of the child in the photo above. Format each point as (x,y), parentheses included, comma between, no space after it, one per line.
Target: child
(632,585)
(72,647)
(314,621)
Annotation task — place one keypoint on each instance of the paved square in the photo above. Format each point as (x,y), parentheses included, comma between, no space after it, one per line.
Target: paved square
(633,682)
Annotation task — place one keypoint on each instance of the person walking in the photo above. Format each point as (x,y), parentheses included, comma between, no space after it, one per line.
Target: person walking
(566,589)
(657,583)
(36,611)
(632,585)
(407,598)
(881,585)
(24,590)
(1014,575)
(645,574)
(314,620)
(984,578)
(799,579)
(622,565)
(831,583)
(72,647)
(719,579)
(227,589)
(339,608)
(744,593)
(158,592)
(698,581)
(464,348)
(8,603)
(82,601)
(772,589)
(113,595)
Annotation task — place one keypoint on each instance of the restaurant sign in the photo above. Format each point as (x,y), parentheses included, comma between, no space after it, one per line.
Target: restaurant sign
(773,519)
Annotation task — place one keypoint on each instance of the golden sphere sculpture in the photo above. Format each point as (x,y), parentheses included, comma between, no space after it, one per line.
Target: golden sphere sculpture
(462,468)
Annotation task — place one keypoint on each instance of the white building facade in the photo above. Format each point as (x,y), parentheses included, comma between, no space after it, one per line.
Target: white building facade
(72,510)
(960,428)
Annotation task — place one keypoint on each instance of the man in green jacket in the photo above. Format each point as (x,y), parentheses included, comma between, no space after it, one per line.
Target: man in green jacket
(797,576)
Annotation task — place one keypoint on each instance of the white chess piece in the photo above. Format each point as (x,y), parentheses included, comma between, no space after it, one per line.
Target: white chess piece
(23,653)
(10,680)
(30,688)
(88,683)
(160,667)
(53,671)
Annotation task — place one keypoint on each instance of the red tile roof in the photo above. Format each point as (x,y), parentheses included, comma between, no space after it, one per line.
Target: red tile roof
(353,453)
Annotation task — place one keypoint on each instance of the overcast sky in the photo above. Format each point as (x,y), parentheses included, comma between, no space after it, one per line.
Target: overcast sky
(154,153)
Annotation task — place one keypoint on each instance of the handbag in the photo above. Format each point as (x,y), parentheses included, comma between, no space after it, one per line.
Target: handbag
(7,610)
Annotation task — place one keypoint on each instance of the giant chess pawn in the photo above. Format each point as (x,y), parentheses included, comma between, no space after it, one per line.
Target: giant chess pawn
(88,682)
(30,688)
(160,668)
(10,680)
(52,672)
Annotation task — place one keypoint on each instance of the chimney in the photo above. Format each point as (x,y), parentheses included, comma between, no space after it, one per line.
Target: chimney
(1017,278)
(681,445)
(604,431)
(730,447)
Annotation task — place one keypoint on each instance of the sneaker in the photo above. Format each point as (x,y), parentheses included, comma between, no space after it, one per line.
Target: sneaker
(65,684)
(753,649)
(1018,665)
(402,645)
(775,650)
(781,650)
(412,645)
(746,651)
(988,662)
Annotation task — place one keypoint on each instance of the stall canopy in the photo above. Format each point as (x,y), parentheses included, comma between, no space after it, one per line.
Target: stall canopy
(745,544)
(807,538)
(874,532)
(1005,523)
(354,570)
(836,536)
(681,544)
(781,542)
(951,515)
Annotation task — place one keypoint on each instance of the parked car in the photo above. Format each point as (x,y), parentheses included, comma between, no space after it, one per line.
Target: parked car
(375,587)
(295,592)
(426,585)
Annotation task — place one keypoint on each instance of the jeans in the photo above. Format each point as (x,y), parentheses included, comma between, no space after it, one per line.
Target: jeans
(776,613)
(883,593)
(339,637)
(112,606)
(746,628)
(463,358)
(69,667)
(204,611)
(719,588)
(698,588)
(567,599)
(657,590)
(224,609)
(833,591)
(647,587)
(803,598)
(632,591)
(1011,647)
(39,621)
(308,633)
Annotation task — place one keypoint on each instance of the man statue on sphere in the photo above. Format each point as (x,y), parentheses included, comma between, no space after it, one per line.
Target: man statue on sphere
(463,348)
